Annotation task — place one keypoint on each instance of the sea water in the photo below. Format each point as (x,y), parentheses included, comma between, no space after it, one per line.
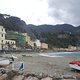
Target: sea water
(61,54)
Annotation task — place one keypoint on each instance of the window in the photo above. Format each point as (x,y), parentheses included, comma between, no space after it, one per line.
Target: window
(2,29)
(2,35)
(2,47)
(2,40)
(6,42)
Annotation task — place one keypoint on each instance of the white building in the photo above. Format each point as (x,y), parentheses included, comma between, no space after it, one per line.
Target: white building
(2,37)
(36,42)
(3,42)
(10,44)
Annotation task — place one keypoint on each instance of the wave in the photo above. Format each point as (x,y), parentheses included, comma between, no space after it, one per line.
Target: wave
(47,55)
(61,54)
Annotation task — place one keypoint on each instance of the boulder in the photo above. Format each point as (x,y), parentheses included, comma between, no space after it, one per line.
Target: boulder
(11,74)
(31,78)
(41,75)
(47,78)
(3,77)
(19,77)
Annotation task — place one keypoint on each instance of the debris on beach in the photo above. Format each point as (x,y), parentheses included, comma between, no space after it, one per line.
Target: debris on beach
(24,55)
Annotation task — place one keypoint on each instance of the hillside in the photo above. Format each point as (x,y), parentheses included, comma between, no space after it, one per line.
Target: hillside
(54,28)
(12,23)
(46,33)
(16,24)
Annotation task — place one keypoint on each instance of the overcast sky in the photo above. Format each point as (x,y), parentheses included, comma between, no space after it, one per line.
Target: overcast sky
(43,11)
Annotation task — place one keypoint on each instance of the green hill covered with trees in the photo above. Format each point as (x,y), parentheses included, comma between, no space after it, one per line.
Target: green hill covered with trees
(61,35)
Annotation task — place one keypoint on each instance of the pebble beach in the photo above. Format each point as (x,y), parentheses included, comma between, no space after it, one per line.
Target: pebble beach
(37,64)
(33,62)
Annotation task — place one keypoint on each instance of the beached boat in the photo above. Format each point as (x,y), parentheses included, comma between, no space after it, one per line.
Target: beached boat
(4,62)
(75,65)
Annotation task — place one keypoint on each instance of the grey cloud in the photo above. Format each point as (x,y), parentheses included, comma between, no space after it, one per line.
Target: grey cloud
(67,11)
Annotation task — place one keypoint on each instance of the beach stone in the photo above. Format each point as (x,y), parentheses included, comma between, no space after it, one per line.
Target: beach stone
(11,74)
(67,79)
(47,78)
(20,77)
(42,75)
(31,78)
(3,77)
(78,76)
(30,74)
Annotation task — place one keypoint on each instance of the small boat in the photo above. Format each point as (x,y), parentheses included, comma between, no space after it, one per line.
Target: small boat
(4,62)
(75,65)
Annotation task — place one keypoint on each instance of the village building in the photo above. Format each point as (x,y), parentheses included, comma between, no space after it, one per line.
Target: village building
(44,46)
(18,37)
(2,37)
(10,45)
(36,43)
(15,40)
(5,44)
(27,38)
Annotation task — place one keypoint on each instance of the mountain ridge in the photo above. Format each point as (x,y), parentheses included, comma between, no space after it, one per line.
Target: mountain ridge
(16,24)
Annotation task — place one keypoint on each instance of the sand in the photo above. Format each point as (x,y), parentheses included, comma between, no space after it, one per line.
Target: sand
(35,63)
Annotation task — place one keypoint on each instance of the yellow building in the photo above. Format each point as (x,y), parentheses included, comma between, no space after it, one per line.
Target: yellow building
(27,38)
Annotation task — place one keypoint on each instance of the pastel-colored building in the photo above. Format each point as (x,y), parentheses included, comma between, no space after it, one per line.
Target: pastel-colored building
(27,38)
(2,37)
(16,36)
(21,40)
(10,44)
(36,43)
(44,46)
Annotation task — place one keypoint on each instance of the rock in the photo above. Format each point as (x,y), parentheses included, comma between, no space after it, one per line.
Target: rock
(3,77)
(20,77)
(47,78)
(41,75)
(51,76)
(30,74)
(11,74)
(31,78)
(67,79)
